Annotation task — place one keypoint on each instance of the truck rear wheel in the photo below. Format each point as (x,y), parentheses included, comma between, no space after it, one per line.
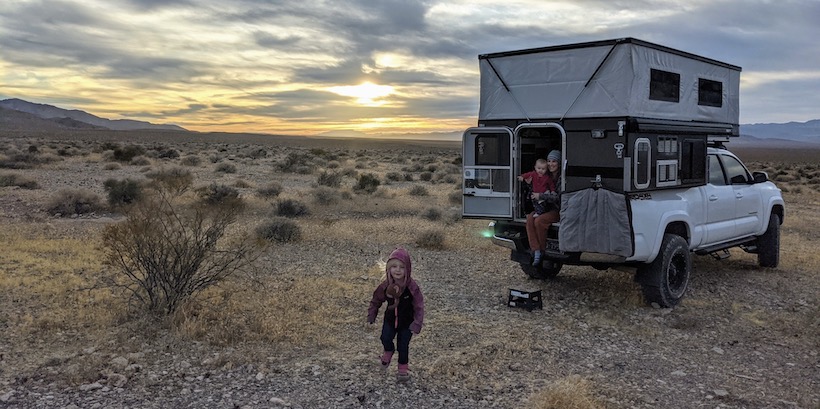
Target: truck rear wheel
(547,269)
(768,244)
(664,280)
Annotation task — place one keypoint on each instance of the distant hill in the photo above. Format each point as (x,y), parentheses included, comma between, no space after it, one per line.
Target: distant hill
(74,118)
(808,132)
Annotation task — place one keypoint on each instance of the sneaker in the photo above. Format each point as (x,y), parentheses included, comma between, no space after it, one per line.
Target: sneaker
(385,359)
(536,260)
(404,373)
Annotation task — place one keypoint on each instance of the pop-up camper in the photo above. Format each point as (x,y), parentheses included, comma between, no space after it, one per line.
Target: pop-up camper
(633,121)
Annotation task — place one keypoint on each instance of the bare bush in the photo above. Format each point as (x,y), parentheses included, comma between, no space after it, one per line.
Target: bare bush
(167,252)
(174,179)
(190,160)
(272,189)
(122,192)
(367,183)
(15,179)
(68,202)
(325,196)
(432,239)
(418,190)
(280,229)
(330,179)
(226,168)
(291,208)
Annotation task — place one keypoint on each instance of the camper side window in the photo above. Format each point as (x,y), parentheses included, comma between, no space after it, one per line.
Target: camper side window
(710,93)
(664,86)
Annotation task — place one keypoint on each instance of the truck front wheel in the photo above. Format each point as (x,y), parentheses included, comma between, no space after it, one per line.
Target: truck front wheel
(768,244)
(664,280)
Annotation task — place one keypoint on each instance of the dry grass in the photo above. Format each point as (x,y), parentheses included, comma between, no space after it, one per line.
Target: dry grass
(312,295)
(571,392)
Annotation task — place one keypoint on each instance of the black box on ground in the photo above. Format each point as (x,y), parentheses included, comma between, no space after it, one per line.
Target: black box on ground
(525,299)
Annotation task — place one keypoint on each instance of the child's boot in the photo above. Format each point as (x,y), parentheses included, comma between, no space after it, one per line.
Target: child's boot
(404,373)
(536,261)
(385,359)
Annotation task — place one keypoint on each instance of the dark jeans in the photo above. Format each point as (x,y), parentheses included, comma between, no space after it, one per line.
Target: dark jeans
(402,336)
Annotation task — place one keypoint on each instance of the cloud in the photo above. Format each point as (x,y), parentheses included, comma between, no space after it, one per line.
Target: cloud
(266,64)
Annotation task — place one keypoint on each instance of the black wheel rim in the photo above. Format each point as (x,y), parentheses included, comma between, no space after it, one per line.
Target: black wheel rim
(676,275)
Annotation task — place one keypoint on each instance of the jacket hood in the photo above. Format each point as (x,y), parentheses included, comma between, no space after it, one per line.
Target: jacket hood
(403,256)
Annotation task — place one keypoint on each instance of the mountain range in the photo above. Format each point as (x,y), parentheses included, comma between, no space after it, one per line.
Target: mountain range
(19,114)
(23,115)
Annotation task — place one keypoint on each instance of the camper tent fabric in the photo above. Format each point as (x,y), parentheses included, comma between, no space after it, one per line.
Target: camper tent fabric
(551,84)
(595,220)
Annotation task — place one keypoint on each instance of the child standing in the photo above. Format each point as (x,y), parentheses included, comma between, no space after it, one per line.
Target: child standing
(404,315)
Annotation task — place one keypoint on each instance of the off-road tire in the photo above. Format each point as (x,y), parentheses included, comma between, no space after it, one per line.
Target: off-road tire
(768,244)
(547,270)
(664,280)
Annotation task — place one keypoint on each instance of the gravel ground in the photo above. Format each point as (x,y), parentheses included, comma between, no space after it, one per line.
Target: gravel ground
(744,337)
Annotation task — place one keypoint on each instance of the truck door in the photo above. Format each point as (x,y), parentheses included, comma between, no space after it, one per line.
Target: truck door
(748,201)
(487,159)
(720,205)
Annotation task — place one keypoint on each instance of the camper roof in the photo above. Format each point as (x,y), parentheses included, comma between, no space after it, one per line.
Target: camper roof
(609,42)
(611,78)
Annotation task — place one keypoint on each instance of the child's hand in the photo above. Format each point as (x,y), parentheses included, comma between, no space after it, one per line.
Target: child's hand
(529,181)
(535,196)
(520,178)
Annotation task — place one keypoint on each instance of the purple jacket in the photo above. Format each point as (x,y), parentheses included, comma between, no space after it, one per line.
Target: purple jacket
(380,295)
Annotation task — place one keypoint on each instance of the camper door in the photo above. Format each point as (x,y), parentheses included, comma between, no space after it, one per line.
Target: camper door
(488,172)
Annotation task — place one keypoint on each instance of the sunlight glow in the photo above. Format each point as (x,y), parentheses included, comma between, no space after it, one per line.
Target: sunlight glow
(366,93)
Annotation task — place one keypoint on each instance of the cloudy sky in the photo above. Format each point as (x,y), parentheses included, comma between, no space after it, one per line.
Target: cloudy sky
(373,66)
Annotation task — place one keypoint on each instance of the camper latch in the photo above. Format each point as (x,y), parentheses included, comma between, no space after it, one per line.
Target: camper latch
(597,184)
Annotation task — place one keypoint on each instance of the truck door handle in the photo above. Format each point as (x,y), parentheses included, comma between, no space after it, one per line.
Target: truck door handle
(712,198)
(739,195)
(469,194)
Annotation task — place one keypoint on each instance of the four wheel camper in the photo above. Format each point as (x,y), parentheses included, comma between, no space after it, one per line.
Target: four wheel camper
(632,119)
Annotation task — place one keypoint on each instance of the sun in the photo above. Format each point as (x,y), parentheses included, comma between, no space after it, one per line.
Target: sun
(366,93)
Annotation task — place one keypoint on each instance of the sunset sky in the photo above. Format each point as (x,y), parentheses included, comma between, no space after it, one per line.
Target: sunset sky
(378,67)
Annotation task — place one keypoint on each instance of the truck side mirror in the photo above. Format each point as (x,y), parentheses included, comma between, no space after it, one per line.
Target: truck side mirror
(760,177)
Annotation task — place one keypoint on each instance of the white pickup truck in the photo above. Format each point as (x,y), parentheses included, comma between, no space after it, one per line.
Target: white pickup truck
(643,186)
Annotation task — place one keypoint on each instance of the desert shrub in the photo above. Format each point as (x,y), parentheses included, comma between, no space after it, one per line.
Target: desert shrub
(20,160)
(190,160)
(291,208)
(416,167)
(350,172)
(140,161)
(324,195)
(408,177)
(127,153)
(272,189)
(450,178)
(14,179)
(457,161)
(165,252)
(367,183)
(257,153)
(68,202)
(226,168)
(384,192)
(455,197)
(175,179)
(242,184)
(431,213)
(426,176)
(33,149)
(122,192)
(169,153)
(219,194)
(432,239)
(418,190)
(331,179)
(280,229)
(334,164)
(112,166)
(295,162)
(394,176)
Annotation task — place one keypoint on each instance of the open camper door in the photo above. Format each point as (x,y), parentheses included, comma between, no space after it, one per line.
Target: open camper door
(488,172)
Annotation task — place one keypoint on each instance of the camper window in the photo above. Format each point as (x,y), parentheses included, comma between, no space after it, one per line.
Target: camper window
(643,159)
(664,86)
(710,93)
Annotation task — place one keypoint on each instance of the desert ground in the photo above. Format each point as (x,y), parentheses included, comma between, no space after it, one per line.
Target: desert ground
(289,330)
